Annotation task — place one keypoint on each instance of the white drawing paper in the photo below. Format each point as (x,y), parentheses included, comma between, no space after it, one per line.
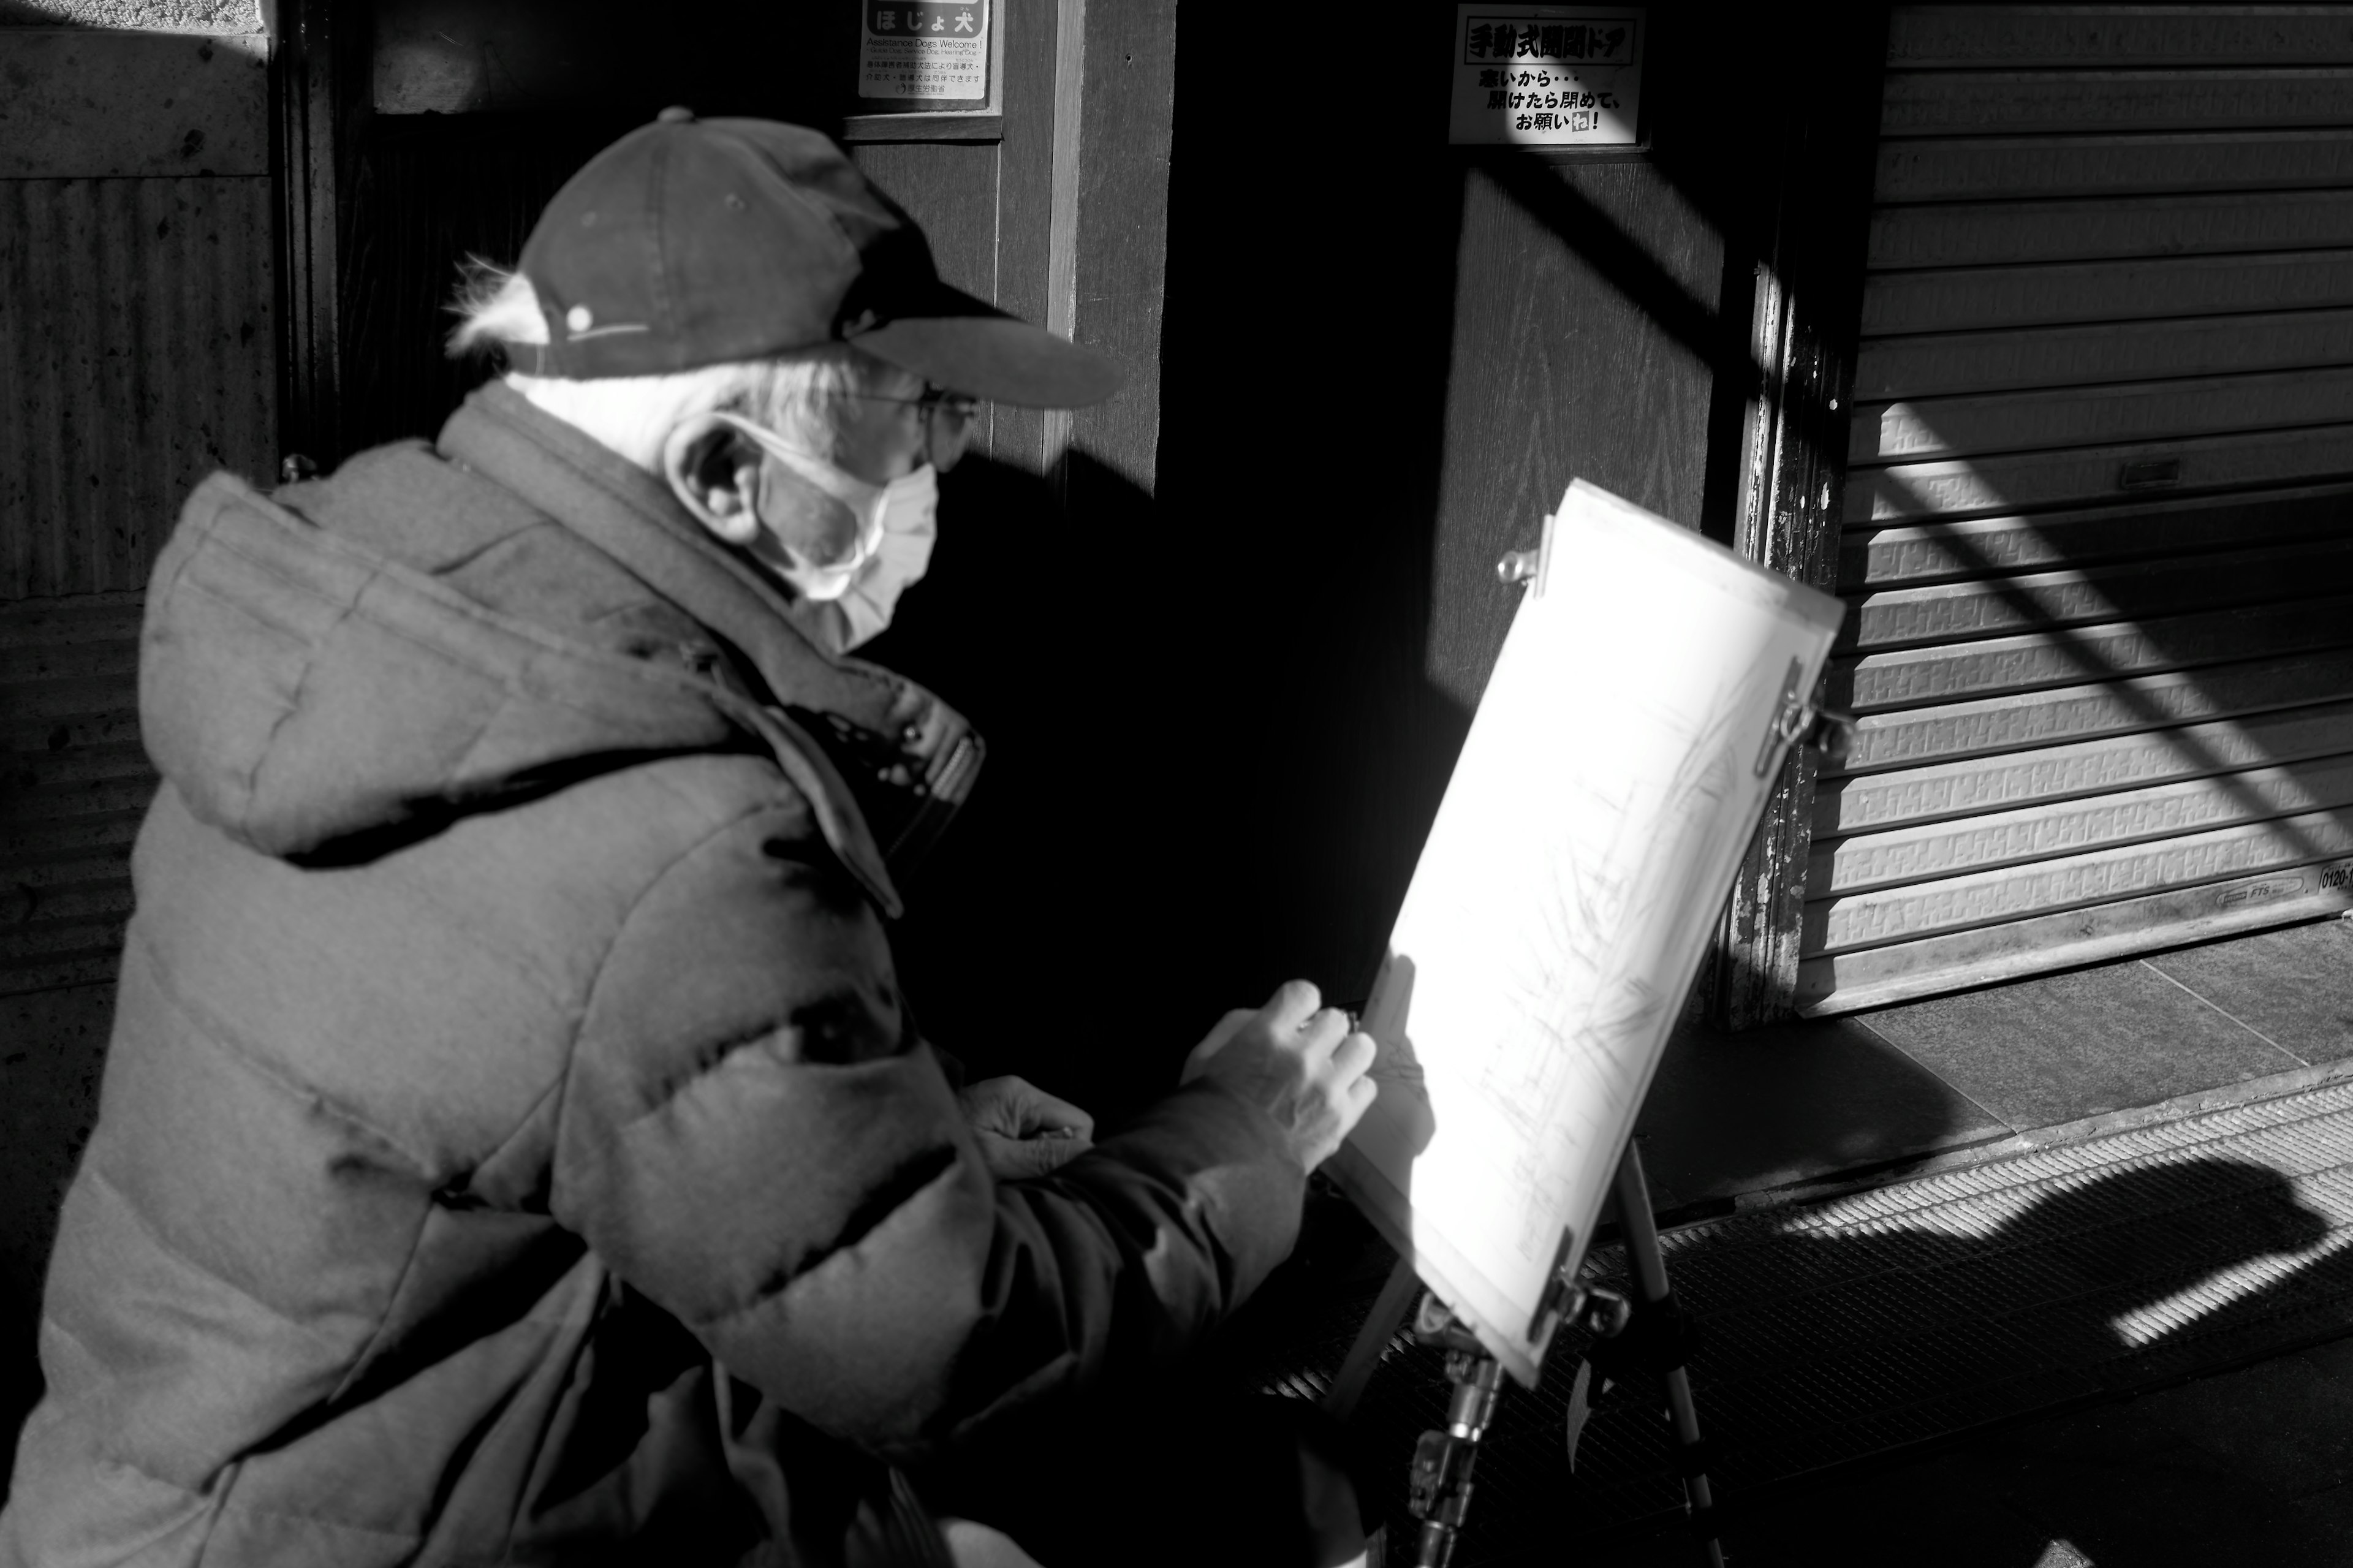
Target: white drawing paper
(1614,773)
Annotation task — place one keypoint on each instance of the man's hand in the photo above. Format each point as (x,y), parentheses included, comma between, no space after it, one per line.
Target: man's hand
(1298,1061)
(1024,1131)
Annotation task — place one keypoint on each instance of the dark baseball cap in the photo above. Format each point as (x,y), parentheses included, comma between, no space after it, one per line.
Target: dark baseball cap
(692,242)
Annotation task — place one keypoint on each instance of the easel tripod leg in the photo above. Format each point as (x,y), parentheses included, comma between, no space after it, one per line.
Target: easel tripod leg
(1650,1267)
(1389,1311)
(1444,1460)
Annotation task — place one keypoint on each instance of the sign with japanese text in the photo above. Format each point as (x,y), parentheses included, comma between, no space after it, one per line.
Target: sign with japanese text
(932,52)
(1547,76)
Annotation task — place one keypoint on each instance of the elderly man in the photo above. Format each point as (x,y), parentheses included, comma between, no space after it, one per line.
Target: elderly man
(515,1147)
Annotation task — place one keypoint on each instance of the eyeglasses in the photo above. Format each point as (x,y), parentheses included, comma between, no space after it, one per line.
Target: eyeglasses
(947,420)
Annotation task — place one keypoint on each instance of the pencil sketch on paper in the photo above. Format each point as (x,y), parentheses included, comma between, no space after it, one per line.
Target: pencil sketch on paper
(1595,906)
(1612,778)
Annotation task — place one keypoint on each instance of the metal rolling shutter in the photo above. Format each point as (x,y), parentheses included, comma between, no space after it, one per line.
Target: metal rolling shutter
(2099,527)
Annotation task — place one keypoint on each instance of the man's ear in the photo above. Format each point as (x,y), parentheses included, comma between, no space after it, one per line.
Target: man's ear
(715,474)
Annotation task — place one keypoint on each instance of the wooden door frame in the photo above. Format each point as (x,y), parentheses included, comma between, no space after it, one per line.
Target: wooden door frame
(1819,158)
(318,72)
(1089,109)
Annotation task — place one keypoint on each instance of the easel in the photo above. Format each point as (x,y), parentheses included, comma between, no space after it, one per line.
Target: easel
(1648,1328)
(1443,1460)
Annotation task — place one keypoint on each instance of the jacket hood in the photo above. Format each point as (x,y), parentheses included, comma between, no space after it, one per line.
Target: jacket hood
(319,701)
(298,689)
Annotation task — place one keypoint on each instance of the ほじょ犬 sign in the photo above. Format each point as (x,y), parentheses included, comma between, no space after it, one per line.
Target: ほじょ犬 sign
(1547,76)
(934,52)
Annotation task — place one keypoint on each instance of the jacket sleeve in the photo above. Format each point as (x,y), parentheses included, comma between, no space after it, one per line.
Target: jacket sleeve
(752,1137)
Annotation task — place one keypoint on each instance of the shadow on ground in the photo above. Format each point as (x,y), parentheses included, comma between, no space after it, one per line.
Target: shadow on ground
(1834,1339)
(1828,1343)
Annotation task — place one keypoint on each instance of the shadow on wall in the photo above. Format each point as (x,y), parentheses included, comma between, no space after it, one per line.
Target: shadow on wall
(1153,842)
(1385,359)
(1220,719)
(1222,713)
(1307,550)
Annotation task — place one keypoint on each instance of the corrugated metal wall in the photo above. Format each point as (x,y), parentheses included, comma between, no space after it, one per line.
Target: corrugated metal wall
(2100,528)
(137,354)
(135,358)
(75,784)
(137,350)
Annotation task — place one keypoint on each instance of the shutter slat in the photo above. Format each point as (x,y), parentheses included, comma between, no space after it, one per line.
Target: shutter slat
(1935,365)
(2003,102)
(1955,612)
(2097,416)
(2196,912)
(1992,168)
(1895,554)
(1917,677)
(1985,898)
(2010,721)
(2084,291)
(2015,233)
(1970,486)
(2011,780)
(1919,851)
(1968,36)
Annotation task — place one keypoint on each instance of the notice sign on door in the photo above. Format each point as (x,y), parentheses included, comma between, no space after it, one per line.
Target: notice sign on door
(1547,76)
(931,53)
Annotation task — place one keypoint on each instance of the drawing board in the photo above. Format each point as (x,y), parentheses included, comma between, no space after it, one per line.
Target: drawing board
(1615,771)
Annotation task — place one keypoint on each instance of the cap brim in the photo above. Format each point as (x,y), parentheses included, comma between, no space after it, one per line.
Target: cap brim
(960,344)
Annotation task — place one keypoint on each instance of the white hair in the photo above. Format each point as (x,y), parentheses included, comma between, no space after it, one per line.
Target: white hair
(801,396)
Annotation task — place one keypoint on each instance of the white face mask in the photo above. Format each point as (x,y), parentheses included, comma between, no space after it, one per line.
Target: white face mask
(881,541)
(911,506)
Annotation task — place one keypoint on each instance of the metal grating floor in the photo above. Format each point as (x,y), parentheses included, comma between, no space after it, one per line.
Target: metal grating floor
(1836,1331)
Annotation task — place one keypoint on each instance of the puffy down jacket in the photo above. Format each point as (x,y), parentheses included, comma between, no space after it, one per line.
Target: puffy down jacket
(513,1147)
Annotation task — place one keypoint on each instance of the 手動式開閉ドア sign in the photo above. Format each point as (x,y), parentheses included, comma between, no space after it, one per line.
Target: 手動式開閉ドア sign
(1547,76)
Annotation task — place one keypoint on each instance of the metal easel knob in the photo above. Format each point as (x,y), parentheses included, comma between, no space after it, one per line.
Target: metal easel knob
(1831,733)
(1604,1313)
(1528,566)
